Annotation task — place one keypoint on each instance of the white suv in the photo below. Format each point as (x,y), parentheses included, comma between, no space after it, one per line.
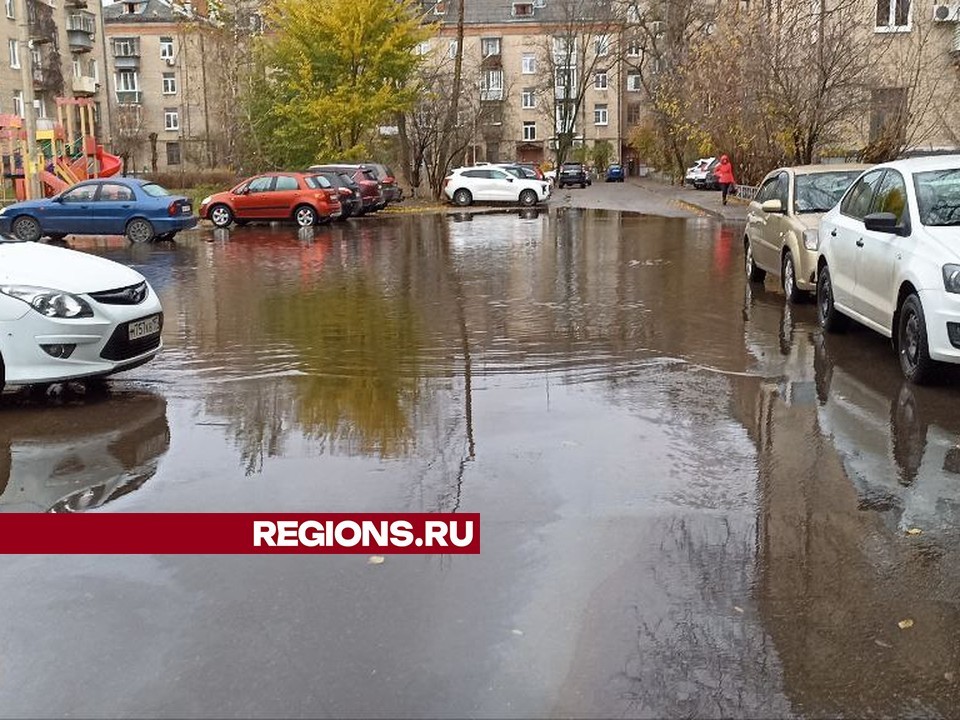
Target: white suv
(465,186)
(889,257)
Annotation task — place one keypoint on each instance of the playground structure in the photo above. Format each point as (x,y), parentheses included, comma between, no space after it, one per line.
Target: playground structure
(67,151)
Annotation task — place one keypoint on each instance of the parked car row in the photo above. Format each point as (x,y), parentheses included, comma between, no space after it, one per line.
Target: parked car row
(878,245)
(702,175)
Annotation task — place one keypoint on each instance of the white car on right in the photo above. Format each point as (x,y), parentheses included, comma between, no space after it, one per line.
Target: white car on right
(467,185)
(889,258)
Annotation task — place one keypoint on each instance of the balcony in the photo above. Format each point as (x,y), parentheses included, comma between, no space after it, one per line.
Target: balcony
(40,23)
(84,86)
(75,3)
(129,97)
(126,53)
(491,94)
(81,28)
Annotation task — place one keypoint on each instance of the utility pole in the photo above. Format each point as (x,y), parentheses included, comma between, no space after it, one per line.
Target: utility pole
(29,114)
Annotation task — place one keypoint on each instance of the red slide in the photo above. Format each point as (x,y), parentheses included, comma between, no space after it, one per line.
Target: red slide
(55,184)
(109,164)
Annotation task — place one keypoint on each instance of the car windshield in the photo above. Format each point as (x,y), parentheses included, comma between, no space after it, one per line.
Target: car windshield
(154,190)
(318,181)
(938,196)
(818,192)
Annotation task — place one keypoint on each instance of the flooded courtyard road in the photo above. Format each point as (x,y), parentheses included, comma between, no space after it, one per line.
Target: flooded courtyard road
(692,503)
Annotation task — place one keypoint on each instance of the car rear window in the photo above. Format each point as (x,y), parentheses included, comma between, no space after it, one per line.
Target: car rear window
(154,190)
(318,181)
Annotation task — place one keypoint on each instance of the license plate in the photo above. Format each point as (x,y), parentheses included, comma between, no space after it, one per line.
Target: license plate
(144,328)
(186,209)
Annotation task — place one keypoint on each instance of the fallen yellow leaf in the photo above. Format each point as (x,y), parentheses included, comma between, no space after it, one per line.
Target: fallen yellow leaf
(914,531)
(904,624)
(375,560)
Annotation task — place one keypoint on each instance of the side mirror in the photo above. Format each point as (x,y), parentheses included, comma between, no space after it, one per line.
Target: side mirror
(57,199)
(509,179)
(883,222)
(241,191)
(772,206)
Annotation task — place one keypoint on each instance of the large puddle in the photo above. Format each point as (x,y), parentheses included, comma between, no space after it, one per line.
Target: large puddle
(693,504)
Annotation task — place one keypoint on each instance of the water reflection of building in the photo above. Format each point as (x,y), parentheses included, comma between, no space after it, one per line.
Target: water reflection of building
(71,458)
(834,575)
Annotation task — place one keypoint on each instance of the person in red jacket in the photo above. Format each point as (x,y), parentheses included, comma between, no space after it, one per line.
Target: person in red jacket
(725,177)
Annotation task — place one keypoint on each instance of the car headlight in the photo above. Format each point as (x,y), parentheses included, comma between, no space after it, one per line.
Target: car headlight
(48,302)
(811,239)
(3,210)
(951,278)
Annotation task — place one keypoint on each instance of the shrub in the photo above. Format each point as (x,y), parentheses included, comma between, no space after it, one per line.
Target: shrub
(222,179)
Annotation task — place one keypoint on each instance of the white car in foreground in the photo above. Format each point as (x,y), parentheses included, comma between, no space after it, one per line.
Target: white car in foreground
(889,257)
(66,315)
(465,186)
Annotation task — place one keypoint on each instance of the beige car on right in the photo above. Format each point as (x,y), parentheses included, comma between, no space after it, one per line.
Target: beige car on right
(781,232)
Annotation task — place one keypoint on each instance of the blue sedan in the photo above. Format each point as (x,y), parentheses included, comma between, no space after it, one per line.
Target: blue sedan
(615,173)
(139,209)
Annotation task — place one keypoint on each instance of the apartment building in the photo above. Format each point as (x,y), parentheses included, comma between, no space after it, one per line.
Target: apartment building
(527,62)
(65,54)
(161,85)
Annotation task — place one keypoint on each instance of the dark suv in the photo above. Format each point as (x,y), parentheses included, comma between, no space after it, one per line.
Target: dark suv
(392,192)
(573,174)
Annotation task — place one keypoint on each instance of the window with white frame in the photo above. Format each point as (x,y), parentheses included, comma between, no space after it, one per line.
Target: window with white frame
(893,15)
(600,114)
(127,80)
(171,119)
(18,102)
(490,47)
(169,84)
(529,64)
(634,48)
(41,107)
(564,46)
(633,82)
(566,81)
(423,48)
(601,45)
(528,99)
(491,85)
(14,46)
(565,118)
(452,49)
(77,68)
(166,48)
(529,130)
(11,9)
(600,80)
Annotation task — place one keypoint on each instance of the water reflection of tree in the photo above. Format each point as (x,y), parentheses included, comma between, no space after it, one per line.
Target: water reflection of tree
(359,350)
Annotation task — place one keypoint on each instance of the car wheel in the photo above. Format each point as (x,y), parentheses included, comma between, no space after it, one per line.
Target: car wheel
(462,197)
(754,274)
(915,360)
(305,216)
(789,277)
(831,319)
(26,228)
(528,198)
(221,216)
(139,231)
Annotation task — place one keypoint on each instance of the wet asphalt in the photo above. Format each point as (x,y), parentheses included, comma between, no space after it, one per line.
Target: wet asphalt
(693,503)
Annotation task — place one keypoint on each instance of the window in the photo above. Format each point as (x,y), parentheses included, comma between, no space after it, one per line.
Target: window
(115,192)
(893,15)
(40,105)
(285,182)
(566,118)
(564,47)
(529,64)
(171,119)
(18,102)
(600,80)
(169,84)
(633,82)
(566,81)
(891,196)
(600,114)
(81,193)
(94,70)
(528,98)
(634,48)
(452,49)
(601,45)
(127,80)
(474,174)
(634,113)
(260,184)
(888,115)
(497,175)
(11,5)
(77,71)
(491,85)
(125,47)
(529,130)
(856,203)
(166,48)
(522,9)
(423,48)
(14,54)
(173,153)
(490,47)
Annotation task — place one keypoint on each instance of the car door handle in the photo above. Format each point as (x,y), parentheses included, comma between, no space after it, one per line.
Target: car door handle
(125,206)
(833,233)
(860,242)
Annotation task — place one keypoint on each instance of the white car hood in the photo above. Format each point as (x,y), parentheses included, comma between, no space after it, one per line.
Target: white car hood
(30,263)
(948,238)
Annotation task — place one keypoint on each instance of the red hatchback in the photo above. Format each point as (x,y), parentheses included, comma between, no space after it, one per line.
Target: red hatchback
(306,199)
